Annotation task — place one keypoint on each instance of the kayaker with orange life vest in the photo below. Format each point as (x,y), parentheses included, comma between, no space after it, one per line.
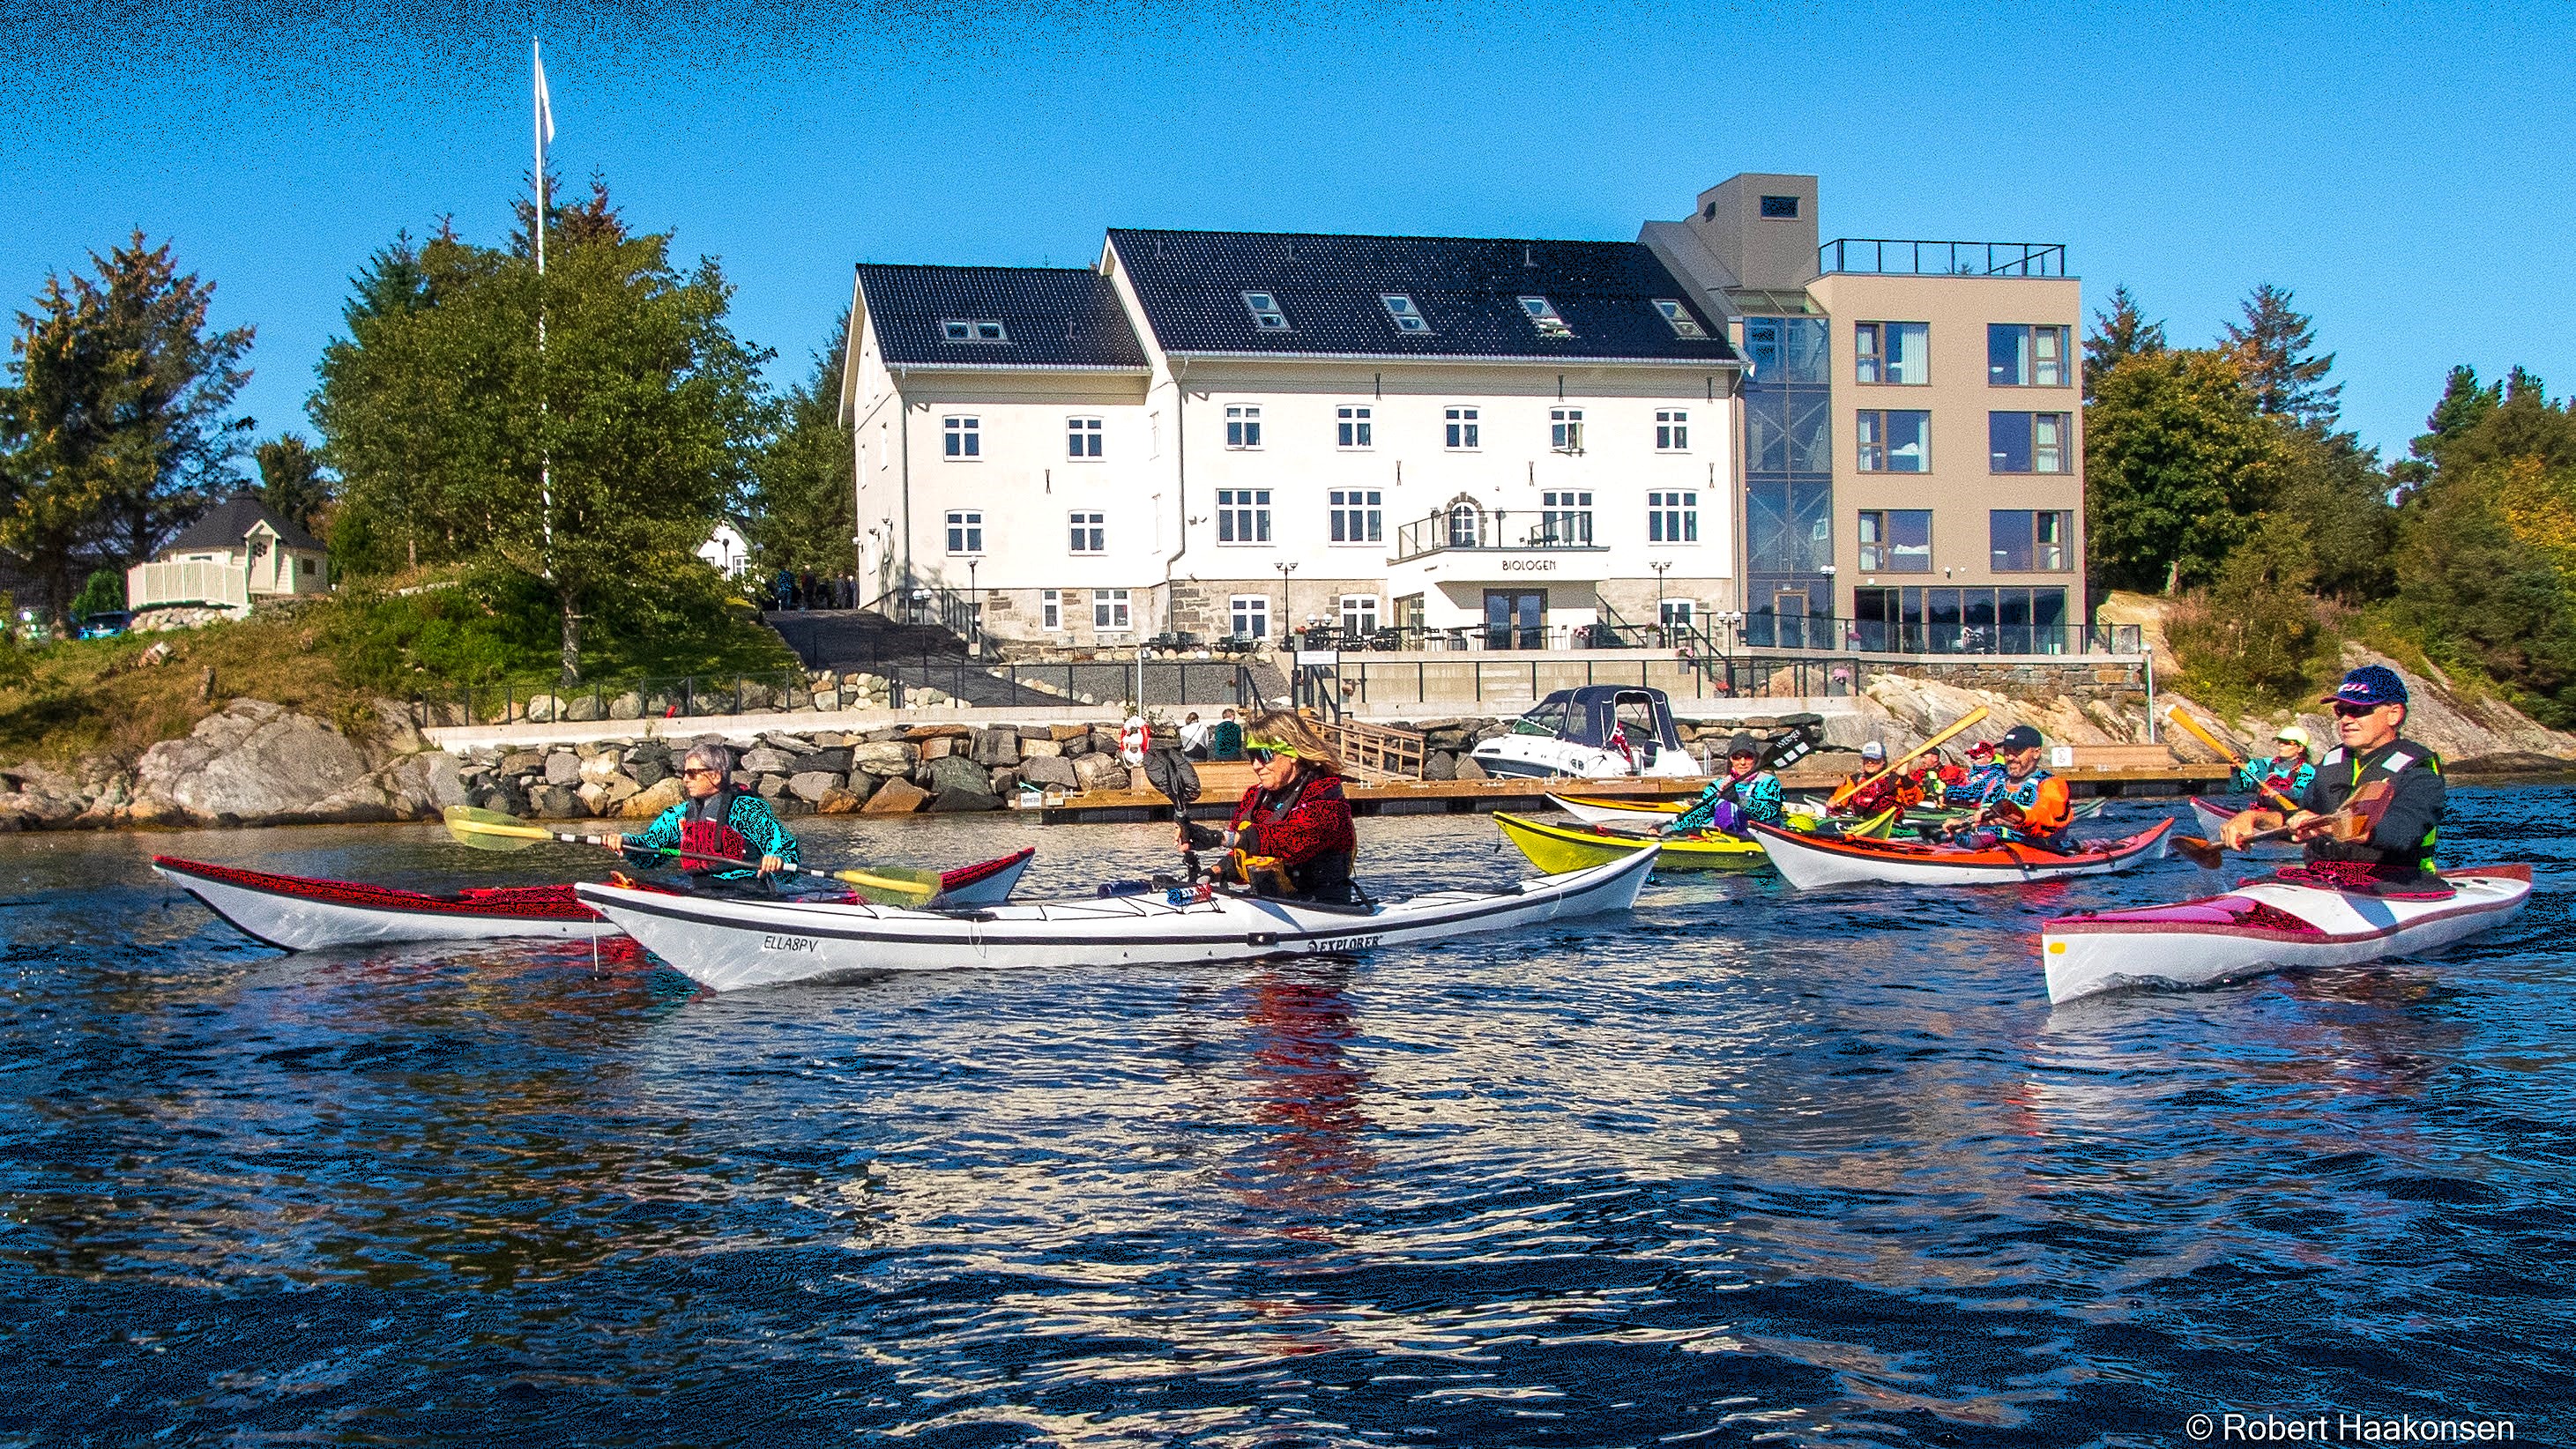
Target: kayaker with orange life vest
(712,819)
(2020,803)
(1291,835)
(1897,790)
(2370,711)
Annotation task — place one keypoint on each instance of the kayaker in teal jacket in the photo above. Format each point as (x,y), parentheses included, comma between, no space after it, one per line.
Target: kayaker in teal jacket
(1745,792)
(2287,771)
(713,820)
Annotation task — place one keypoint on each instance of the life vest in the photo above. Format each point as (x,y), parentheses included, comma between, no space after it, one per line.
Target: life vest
(2341,773)
(1325,876)
(706,828)
(2039,799)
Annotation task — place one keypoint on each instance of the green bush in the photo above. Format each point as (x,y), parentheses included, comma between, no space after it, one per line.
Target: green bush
(102,593)
(2254,638)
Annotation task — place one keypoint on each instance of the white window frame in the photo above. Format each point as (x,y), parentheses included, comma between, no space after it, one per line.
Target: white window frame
(1464,423)
(1672,430)
(974,329)
(1243,427)
(1565,517)
(962,438)
(1358,515)
(1254,609)
(1683,323)
(1672,516)
(1359,614)
(1354,421)
(966,526)
(1110,612)
(1051,610)
(1565,430)
(1407,317)
(1267,314)
(1543,315)
(1079,431)
(1087,526)
(1241,510)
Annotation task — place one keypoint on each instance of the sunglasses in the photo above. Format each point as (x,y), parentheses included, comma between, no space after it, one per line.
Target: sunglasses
(1260,756)
(2354,711)
(698,770)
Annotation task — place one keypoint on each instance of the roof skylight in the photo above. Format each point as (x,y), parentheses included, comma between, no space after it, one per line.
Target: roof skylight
(1684,324)
(1265,312)
(1407,317)
(1542,315)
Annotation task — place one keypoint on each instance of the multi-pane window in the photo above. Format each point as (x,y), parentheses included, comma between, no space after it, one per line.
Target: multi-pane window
(1406,316)
(1542,315)
(1243,427)
(1109,610)
(1678,614)
(1672,430)
(1243,515)
(1082,438)
(1266,313)
(2024,356)
(1895,442)
(1051,609)
(2028,442)
(1565,429)
(1683,323)
(1892,352)
(966,531)
(1250,615)
(957,329)
(1565,519)
(1466,525)
(1359,613)
(2030,540)
(1462,430)
(1359,515)
(1896,540)
(964,437)
(1351,428)
(1090,533)
(1672,517)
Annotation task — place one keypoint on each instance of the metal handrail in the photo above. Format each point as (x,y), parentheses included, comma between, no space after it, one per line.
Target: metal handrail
(1892,256)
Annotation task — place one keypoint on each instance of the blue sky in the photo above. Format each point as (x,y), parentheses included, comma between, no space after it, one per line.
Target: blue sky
(2405,170)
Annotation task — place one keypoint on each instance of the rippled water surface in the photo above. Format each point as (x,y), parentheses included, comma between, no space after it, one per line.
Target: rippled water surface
(1744,1166)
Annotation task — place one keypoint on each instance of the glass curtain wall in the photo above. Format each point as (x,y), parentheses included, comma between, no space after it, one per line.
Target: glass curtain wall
(1788,484)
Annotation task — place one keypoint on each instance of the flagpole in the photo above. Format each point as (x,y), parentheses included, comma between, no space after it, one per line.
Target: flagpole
(544,126)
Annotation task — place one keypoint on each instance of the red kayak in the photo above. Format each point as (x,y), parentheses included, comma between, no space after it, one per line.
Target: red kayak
(306,913)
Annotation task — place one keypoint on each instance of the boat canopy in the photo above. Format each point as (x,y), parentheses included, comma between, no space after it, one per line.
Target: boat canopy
(1586,716)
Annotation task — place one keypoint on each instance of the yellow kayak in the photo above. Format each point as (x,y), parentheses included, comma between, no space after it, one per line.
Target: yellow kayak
(1645,814)
(1556,849)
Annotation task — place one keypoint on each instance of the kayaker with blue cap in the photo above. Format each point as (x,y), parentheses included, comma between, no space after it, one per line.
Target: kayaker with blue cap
(2287,770)
(2370,713)
(1291,835)
(2020,803)
(1745,792)
(713,819)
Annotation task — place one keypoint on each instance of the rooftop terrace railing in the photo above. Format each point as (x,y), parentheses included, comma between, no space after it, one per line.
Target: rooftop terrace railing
(1887,256)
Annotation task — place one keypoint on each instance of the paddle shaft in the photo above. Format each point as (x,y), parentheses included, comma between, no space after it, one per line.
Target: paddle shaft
(1848,789)
(2354,822)
(533,832)
(2192,727)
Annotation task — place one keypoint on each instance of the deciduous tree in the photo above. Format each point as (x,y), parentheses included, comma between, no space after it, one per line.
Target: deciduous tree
(803,500)
(2178,460)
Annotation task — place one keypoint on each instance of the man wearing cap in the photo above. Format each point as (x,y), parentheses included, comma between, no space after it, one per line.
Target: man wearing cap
(1745,792)
(2020,802)
(2370,710)
(2287,771)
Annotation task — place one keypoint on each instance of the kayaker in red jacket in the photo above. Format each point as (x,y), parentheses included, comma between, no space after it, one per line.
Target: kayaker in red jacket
(1291,834)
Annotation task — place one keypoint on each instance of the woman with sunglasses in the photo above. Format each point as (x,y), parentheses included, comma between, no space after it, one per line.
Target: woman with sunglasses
(712,819)
(1291,834)
(2370,711)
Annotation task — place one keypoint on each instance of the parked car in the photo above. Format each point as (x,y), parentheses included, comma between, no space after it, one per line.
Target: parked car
(106,624)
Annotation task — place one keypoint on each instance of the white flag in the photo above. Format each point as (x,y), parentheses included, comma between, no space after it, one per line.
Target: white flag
(545,109)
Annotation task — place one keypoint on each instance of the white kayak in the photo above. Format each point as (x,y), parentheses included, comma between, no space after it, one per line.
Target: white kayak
(311,913)
(1813,861)
(2266,925)
(2213,818)
(729,944)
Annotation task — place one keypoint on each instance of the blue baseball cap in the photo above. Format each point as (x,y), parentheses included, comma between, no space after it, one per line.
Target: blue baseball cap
(2019,737)
(2370,684)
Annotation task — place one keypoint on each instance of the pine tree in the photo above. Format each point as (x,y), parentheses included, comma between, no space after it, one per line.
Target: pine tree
(2119,331)
(803,500)
(2277,342)
(291,482)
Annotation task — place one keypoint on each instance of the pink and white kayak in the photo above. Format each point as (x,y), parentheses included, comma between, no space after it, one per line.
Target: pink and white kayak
(2266,925)
(1813,861)
(308,913)
(2213,818)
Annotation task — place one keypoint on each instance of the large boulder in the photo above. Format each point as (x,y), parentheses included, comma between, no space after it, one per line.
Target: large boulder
(765,761)
(957,773)
(563,767)
(558,803)
(661,795)
(957,801)
(997,747)
(628,705)
(1030,748)
(255,762)
(1468,769)
(812,785)
(1439,765)
(848,799)
(832,758)
(886,759)
(1100,772)
(1050,770)
(895,797)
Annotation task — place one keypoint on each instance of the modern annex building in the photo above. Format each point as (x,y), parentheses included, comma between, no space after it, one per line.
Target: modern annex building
(1494,442)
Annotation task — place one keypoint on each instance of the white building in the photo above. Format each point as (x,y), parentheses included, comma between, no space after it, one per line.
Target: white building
(238,553)
(1497,442)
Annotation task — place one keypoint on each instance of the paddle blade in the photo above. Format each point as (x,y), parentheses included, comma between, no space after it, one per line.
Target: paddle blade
(891,885)
(1171,772)
(490,829)
(2202,853)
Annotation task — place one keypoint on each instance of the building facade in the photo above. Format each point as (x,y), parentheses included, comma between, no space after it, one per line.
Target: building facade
(1913,414)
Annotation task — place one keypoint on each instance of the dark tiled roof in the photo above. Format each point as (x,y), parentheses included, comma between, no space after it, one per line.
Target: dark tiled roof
(1468,288)
(1065,317)
(229,522)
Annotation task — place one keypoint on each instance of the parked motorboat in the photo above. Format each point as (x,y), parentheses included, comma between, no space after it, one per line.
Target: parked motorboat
(2268,924)
(728,944)
(1597,731)
(309,913)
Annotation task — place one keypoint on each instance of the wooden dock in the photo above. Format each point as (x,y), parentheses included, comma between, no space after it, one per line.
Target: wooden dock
(1222,785)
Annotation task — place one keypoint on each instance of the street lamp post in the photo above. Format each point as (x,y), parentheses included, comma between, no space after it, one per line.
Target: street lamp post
(974,613)
(1285,569)
(1660,566)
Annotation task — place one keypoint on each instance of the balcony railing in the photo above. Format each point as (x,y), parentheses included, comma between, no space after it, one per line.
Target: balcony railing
(1564,529)
(1886,256)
